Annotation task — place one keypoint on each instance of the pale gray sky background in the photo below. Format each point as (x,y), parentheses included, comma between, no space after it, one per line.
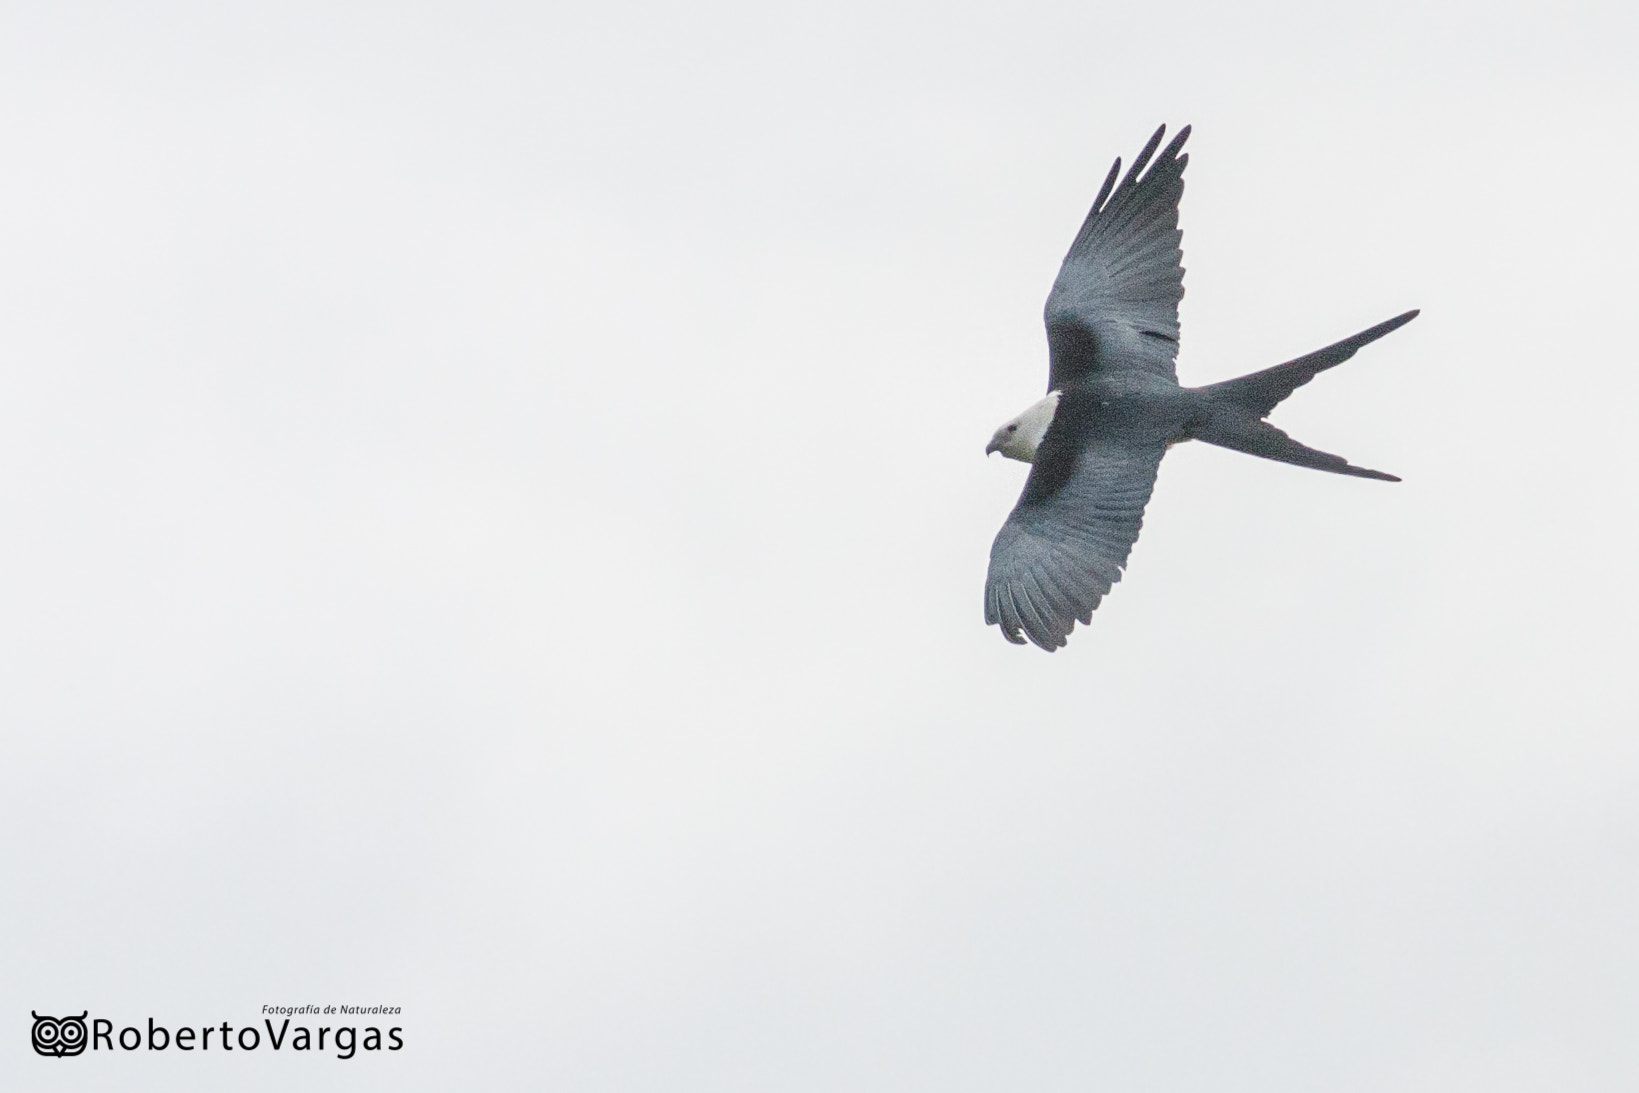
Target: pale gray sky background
(495,521)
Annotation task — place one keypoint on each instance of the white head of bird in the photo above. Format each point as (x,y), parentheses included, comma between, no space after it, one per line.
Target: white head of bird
(1019,438)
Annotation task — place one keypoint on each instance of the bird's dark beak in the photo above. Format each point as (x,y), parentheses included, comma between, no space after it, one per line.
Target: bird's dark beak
(992,448)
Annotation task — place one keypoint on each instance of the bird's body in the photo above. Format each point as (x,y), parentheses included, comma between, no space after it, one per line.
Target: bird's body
(1114,407)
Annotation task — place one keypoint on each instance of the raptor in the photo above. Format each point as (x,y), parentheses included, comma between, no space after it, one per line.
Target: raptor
(1114,406)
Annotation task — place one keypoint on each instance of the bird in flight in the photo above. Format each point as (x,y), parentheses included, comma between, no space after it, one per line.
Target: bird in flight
(1114,406)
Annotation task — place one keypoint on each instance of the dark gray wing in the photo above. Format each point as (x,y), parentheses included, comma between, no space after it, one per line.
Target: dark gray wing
(1114,306)
(1065,542)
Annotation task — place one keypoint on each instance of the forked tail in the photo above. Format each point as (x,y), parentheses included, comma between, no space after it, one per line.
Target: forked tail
(1237,407)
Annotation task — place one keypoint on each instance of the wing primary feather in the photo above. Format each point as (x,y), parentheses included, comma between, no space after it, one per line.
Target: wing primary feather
(1062,604)
(1056,622)
(1135,181)
(1035,623)
(1177,142)
(1152,198)
(1142,160)
(1104,190)
(1091,221)
(1012,617)
(1010,610)
(1086,599)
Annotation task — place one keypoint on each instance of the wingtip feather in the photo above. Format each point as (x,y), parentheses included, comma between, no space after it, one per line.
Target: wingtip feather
(1109,184)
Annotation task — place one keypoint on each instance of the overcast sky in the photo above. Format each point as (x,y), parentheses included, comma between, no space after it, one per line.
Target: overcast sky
(495,519)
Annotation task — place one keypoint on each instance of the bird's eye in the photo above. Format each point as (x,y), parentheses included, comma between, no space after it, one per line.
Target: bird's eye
(1012,428)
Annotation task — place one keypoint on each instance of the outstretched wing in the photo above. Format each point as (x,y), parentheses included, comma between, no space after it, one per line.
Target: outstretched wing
(1065,542)
(1114,306)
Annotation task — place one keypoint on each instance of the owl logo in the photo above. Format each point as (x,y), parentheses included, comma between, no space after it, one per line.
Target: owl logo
(59,1036)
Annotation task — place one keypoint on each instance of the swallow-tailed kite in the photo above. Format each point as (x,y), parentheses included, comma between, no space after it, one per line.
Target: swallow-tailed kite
(1114,406)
